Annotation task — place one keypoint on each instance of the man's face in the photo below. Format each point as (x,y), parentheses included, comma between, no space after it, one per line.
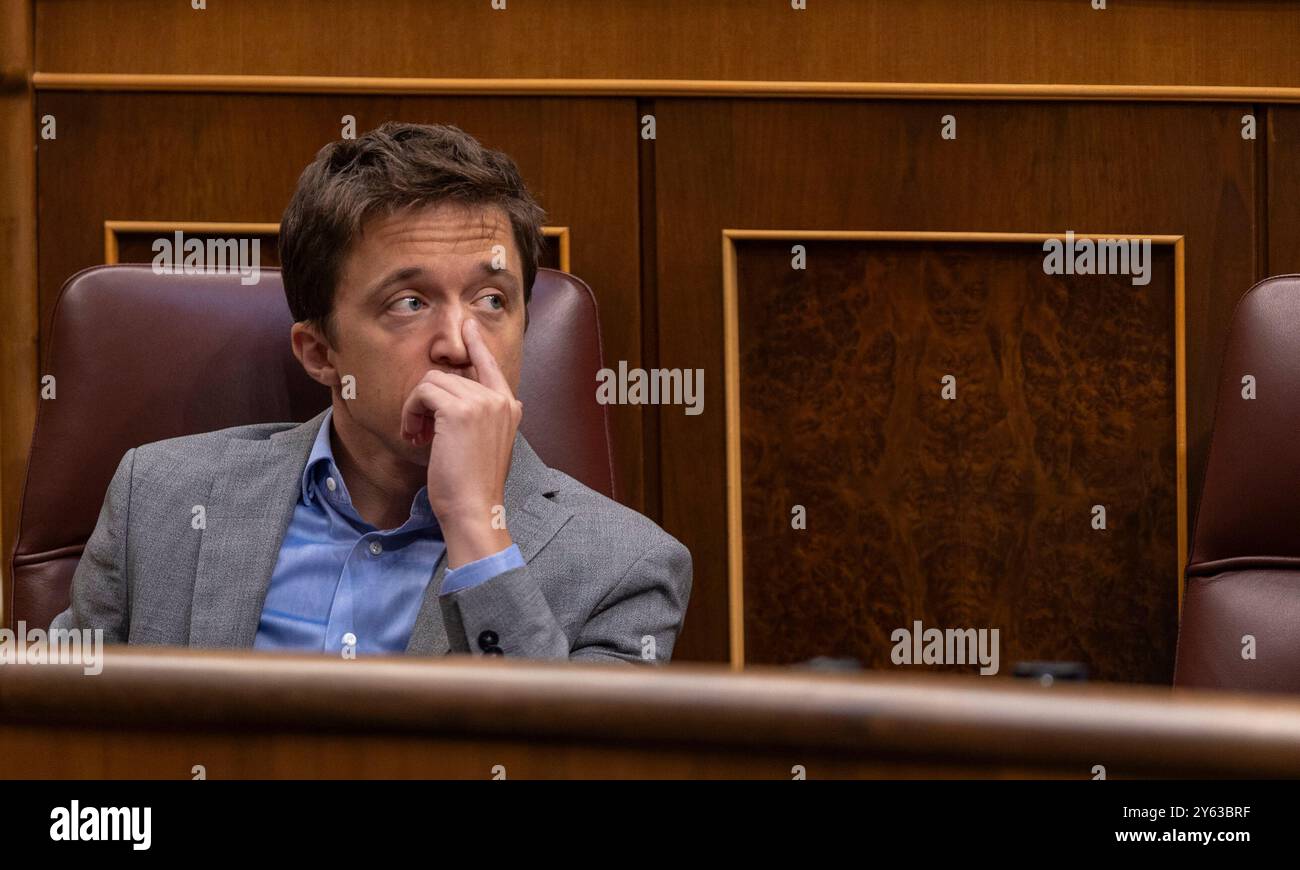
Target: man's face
(405,291)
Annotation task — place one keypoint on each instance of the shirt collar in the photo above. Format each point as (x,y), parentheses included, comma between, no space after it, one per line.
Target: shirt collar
(322,452)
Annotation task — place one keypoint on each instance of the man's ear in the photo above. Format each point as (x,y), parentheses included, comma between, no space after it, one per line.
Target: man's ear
(313,350)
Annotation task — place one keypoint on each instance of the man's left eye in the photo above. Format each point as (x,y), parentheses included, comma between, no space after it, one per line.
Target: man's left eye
(500,300)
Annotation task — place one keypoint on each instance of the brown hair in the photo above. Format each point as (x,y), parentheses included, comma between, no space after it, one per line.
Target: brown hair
(394,167)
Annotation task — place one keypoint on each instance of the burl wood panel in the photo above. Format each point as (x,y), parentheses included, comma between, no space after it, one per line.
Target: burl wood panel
(221,157)
(973,512)
(1015,167)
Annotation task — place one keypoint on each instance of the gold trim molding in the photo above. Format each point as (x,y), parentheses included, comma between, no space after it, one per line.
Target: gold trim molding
(731,377)
(112,229)
(296,84)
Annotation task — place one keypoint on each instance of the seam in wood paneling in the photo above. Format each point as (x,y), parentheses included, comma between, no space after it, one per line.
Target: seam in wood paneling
(651,462)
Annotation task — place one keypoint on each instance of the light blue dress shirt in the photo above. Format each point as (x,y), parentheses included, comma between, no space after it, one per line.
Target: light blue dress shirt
(339,581)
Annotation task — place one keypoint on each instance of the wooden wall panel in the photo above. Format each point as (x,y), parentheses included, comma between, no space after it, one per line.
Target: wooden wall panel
(646,216)
(1142,42)
(1284,190)
(968,511)
(190,157)
(19,324)
(1015,167)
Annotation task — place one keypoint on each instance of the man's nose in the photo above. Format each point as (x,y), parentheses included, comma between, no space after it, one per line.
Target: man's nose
(447,345)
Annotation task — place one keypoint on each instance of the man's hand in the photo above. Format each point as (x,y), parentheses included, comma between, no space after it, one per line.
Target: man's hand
(470,427)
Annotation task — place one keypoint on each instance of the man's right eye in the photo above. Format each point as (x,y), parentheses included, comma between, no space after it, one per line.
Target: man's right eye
(408,299)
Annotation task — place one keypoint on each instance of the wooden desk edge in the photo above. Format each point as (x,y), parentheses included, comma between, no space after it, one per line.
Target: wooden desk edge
(856,714)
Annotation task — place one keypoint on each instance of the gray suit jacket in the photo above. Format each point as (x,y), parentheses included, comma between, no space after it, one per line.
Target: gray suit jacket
(601,582)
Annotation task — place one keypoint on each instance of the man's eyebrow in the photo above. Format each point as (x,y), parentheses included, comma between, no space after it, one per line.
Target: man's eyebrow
(505,275)
(397,276)
(409,273)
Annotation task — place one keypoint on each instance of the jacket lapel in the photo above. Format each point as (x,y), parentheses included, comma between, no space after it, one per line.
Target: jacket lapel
(247,515)
(532,518)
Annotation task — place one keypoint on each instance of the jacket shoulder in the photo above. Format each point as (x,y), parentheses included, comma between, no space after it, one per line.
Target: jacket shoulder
(203,448)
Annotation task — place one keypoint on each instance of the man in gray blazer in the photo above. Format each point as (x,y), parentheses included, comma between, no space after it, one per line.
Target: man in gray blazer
(411,516)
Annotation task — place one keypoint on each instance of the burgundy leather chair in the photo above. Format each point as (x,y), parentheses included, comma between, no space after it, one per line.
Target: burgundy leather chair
(139,357)
(1243,573)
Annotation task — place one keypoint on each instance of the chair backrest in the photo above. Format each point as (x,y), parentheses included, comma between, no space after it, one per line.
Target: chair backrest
(1240,625)
(137,357)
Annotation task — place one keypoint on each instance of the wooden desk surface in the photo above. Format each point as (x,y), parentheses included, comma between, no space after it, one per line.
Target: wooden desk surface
(157,712)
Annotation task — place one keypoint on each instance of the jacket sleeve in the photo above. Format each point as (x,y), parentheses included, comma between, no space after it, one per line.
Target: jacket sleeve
(637,621)
(99,585)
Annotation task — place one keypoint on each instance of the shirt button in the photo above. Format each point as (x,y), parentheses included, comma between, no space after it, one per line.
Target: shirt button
(349,639)
(330,484)
(376,548)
